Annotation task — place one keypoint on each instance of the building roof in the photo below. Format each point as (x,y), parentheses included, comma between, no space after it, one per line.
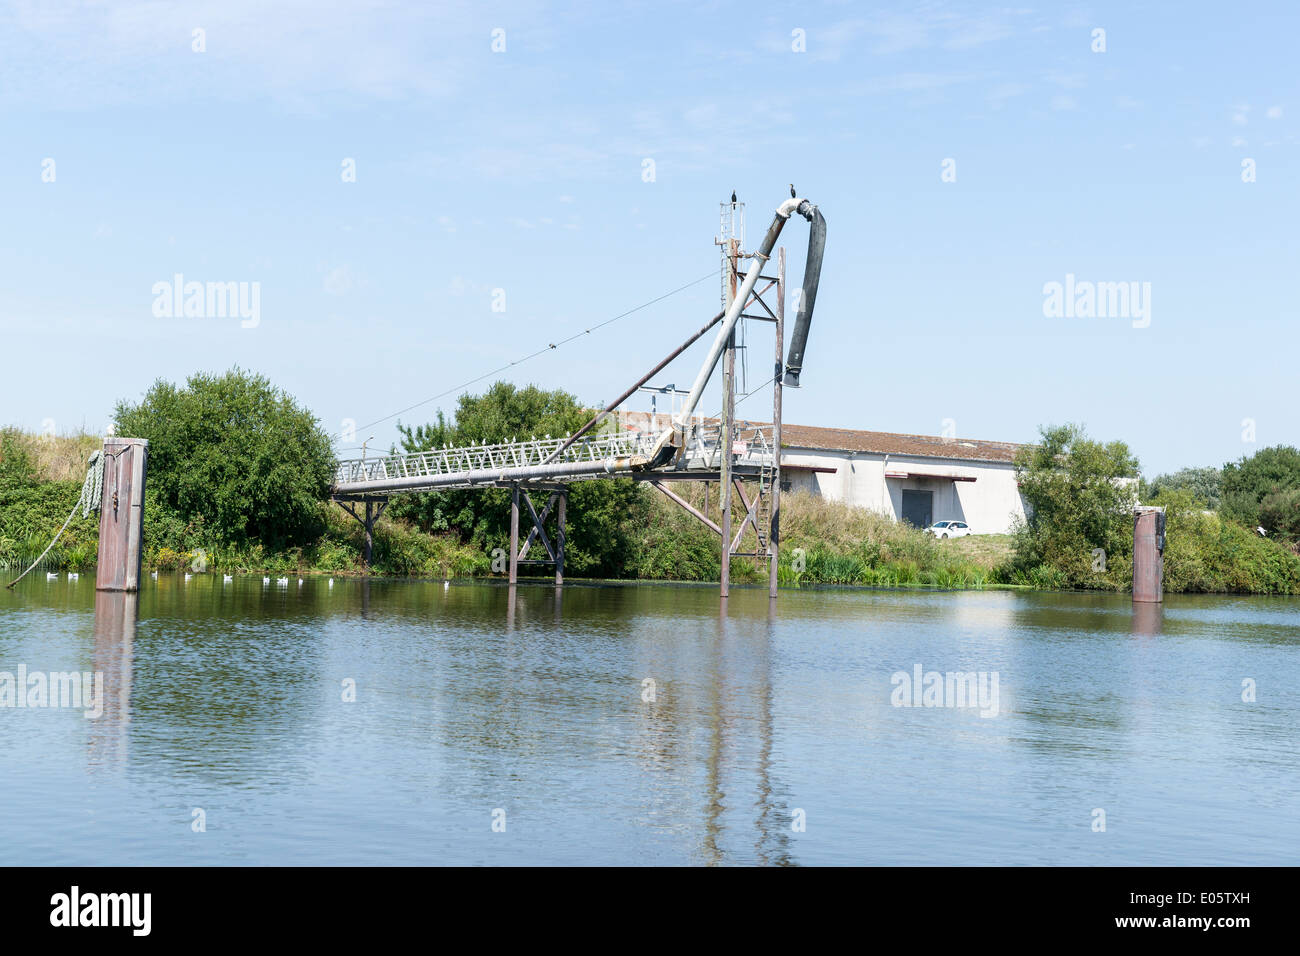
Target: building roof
(891,443)
(816,438)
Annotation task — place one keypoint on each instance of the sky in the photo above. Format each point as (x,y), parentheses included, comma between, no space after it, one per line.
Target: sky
(388,176)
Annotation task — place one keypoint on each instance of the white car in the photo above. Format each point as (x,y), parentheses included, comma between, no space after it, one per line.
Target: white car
(949,529)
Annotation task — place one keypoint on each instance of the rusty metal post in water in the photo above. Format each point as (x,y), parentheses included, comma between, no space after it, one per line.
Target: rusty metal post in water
(1148,555)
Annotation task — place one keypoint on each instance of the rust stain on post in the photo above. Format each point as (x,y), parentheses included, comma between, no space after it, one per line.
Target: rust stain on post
(121,514)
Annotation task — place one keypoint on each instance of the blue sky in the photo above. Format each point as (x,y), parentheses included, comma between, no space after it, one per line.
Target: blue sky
(522,170)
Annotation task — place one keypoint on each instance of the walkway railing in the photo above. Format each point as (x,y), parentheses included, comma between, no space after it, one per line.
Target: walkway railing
(602,456)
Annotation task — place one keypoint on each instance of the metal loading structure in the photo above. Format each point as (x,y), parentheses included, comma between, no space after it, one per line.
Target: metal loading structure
(689,448)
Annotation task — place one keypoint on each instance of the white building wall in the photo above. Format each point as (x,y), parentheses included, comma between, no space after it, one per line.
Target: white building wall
(989,504)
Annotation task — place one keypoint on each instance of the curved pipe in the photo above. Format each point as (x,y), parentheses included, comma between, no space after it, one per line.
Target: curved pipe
(811,276)
(759,259)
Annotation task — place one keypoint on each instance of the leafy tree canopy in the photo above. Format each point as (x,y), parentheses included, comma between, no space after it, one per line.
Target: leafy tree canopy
(1269,475)
(1079,495)
(1204,484)
(235,454)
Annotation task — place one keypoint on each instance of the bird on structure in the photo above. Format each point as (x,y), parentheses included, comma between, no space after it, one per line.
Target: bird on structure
(733,197)
(792,195)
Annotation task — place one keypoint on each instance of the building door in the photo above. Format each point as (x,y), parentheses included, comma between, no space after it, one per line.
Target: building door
(918,506)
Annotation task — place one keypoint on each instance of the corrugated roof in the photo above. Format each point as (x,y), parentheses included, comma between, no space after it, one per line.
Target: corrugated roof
(891,443)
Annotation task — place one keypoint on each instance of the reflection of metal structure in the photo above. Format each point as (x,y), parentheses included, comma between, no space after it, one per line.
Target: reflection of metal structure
(691,449)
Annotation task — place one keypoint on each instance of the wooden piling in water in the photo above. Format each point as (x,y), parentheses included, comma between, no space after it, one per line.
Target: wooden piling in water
(121,514)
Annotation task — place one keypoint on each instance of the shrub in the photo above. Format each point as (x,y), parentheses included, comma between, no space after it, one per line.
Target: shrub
(1269,473)
(1079,495)
(235,455)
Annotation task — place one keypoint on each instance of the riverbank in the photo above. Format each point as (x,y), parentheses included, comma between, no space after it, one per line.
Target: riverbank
(823,543)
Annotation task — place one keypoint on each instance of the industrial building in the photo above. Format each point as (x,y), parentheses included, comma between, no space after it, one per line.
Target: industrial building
(915,478)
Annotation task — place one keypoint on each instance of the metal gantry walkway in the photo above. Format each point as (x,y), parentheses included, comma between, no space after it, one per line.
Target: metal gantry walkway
(693,448)
(535,461)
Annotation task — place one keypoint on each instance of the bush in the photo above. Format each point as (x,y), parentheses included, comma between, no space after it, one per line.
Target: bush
(235,456)
(1079,495)
(1205,484)
(1268,475)
(1280,512)
(1203,552)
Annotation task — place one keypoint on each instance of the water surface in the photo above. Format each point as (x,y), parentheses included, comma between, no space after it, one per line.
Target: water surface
(229,698)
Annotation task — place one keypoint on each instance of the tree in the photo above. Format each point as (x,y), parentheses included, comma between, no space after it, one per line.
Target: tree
(604,517)
(1279,514)
(1205,484)
(1267,475)
(235,454)
(1080,496)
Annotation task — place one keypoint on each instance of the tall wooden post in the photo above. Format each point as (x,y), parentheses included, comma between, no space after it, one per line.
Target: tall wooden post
(774,534)
(514,534)
(121,514)
(563,505)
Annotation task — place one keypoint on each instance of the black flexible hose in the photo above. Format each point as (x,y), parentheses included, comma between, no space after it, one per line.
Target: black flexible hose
(811,276)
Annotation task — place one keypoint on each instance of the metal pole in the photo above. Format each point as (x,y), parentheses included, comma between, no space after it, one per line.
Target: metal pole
(1148,555)
(738,301)
(774,535)
(641,381)
(728,412)
(559,540)
(514,534)
(370,532)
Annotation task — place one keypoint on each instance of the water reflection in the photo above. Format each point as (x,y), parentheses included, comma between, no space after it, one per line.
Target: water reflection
(1148,618)
(475,696)
(115,630)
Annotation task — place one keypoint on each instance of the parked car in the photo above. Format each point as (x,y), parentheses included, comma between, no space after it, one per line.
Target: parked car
(949,529)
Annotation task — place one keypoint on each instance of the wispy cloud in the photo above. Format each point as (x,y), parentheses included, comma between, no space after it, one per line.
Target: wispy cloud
(888,32)
(81,54)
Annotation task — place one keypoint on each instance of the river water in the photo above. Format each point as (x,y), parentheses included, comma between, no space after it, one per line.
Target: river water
(396,722)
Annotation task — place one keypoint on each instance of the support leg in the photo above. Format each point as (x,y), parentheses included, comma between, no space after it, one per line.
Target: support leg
(559,539)
(774,535)
(514,534)
(370,534)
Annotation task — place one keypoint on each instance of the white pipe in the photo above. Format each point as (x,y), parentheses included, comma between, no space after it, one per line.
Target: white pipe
(783,212)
